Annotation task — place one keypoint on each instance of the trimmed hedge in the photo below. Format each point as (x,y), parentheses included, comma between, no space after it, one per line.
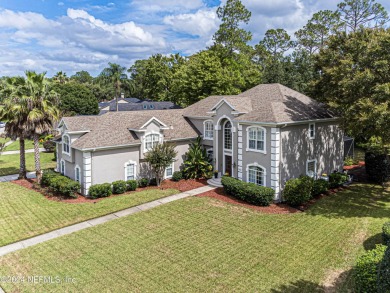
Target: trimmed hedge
(249,192)
(337,179)
(386,233)
(60,184)
(177,176)
(320,186)
(131,185)
(100,190)
(143,182)
(298,190)
(119,187)
(366,270)
(383,284)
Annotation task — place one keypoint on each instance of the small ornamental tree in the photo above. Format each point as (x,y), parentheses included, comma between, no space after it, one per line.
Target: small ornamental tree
(160,157)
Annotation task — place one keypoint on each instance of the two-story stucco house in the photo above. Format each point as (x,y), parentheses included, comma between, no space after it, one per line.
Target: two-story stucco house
(265,135)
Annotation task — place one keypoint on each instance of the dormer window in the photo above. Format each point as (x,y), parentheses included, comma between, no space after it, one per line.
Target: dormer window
(66,144)
(145,107)
(151,107)
(151,140)
(208,130)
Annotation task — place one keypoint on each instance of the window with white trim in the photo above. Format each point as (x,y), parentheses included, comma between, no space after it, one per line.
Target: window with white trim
(62,167)
(227,144)
(208,130)
(151,107)
(145,107)
(77,174)
(151,140)
(256,139)
(256,174)
(169,171)
(312,130)
(311,168)
(66,144)
(130,171)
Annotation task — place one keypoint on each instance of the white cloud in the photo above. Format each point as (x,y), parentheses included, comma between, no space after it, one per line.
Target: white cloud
(60,3)
(201,23)
(166,5)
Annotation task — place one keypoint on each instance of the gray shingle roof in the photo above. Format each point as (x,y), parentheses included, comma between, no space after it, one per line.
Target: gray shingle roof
(112,129)
(269,103)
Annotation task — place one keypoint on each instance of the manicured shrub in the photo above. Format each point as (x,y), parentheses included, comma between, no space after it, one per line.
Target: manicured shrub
(119,187)
(249,192)
(298,190)
(320,186)
(386,233)
(377,166)
(64,186)
(383,284)
(143,182)
(131,185)
(366,270)
(177,176)
(49,145)
(337,179)
(47,177)
(100,190)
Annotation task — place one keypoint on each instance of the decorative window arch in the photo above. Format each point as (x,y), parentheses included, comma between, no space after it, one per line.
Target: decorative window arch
(227,135)
(256,139)
(130,170)
(77,173)
(256,173)
(66,144)
(151,139)
(62,167)
(208,130)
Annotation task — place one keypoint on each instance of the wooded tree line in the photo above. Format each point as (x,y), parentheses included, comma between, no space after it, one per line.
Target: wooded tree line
(339,57)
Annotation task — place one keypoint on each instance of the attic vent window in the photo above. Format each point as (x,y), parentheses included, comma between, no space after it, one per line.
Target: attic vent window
(145,107)
(151,106)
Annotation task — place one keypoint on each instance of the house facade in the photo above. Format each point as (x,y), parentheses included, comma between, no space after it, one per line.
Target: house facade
(265,135)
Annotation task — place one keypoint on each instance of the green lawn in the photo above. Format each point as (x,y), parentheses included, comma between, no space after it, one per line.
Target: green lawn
(29,144)
(9,164)
(25,213)
(204,245)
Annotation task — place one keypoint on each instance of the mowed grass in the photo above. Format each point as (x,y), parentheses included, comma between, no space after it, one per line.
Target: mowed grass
(9,164)
(28,145)
(25,213)
(204,245)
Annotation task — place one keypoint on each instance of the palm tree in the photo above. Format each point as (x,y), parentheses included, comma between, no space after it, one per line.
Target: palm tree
(39,102)
(114,74)
(60,77)
(16,117)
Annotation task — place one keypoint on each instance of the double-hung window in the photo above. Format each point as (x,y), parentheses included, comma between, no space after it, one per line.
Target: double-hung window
(256,139)
(312,131)
(130,171)
(66,144)
(208,130)
(169,171)
(151,140)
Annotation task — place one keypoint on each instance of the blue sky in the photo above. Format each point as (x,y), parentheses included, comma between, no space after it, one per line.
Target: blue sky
(74,35)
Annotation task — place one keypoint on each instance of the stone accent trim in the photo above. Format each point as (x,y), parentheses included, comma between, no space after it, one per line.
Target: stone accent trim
(87,172)
(275,161)
(239,153)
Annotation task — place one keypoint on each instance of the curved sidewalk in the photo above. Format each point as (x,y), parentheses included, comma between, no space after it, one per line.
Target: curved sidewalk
(97,221)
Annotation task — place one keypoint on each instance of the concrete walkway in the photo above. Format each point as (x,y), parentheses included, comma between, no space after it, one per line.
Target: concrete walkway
(101,220)
(30,175)
(17,152)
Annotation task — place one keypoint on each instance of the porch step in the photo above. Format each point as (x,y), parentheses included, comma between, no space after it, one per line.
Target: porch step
(216,182)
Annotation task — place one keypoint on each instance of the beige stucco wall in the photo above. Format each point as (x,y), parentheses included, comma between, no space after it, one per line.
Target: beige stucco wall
(296,148)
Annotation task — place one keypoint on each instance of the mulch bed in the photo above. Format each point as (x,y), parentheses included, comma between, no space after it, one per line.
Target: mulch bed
(182,186)
(277,208)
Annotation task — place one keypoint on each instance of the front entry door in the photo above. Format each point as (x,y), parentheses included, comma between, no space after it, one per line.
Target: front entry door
(228,165)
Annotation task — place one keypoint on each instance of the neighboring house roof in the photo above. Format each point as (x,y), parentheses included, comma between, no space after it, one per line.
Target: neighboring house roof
(134,104)
(268,103)
(113,128)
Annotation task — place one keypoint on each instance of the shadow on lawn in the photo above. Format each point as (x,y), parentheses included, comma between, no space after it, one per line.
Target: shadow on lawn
(301,286)
(360,200)
(371,242)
